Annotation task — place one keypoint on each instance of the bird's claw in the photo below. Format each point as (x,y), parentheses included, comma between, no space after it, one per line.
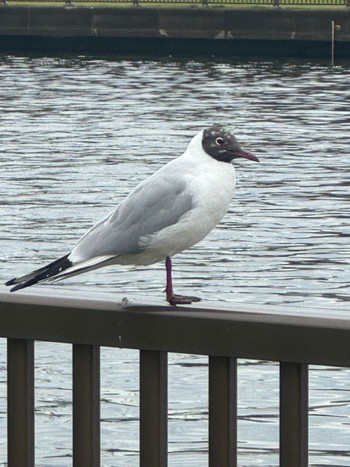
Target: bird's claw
(182,300)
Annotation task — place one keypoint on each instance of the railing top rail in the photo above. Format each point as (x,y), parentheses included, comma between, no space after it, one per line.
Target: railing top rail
(274,3)
(291,334)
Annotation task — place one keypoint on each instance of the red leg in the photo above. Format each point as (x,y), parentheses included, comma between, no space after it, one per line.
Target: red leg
(170,296)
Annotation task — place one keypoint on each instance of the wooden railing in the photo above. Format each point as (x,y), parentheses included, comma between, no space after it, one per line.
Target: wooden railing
(292,336)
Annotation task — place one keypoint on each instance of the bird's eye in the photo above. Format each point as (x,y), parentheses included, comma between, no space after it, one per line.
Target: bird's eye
(219,141)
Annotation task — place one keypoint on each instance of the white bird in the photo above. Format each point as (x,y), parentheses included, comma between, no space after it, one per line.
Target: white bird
(165,214)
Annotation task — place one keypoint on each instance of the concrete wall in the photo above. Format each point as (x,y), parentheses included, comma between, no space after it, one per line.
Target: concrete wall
(222,29)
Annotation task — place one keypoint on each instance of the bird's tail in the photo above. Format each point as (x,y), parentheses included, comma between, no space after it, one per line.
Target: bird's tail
(41,274)
(59,269)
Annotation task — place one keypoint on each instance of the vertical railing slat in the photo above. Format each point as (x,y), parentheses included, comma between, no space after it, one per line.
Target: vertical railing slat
(86,405)
(153,408)
(293,415)
(222,412)
(20,402)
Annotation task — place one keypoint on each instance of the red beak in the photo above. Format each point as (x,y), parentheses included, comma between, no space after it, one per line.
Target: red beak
(246,155)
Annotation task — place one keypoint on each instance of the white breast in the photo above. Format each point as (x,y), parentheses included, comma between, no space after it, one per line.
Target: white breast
(211,184)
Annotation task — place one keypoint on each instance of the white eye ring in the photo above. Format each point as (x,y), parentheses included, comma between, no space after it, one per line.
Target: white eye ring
(219,141)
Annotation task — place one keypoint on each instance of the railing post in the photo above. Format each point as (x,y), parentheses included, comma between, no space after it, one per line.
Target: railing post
(153,408)
(20,402)
(293,415)
(222,412)
(86,405)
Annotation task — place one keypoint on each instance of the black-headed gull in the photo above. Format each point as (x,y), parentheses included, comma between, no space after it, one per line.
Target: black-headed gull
(167,213)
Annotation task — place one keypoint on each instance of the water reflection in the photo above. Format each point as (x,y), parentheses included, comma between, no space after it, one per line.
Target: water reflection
(79,133)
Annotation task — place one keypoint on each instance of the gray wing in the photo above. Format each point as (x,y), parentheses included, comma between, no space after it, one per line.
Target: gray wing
(156,203)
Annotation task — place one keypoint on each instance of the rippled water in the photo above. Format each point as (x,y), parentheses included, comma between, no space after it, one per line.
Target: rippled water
(79,133)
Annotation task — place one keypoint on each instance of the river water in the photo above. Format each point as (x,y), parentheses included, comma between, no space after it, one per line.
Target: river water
(79,133)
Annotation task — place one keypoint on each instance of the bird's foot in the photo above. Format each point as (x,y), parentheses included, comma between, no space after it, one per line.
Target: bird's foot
(182,300)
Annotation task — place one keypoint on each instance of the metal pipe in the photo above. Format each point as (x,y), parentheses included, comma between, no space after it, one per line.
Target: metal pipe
(333,41)
(334,28)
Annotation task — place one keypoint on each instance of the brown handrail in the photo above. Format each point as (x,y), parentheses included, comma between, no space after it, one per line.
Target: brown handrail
(273,3)
(287,334)
(295,337)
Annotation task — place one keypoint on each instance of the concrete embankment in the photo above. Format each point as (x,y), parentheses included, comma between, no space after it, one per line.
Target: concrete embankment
(164,31)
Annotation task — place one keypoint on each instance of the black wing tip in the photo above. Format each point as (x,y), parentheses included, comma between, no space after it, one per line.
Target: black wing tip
(40,275)
(11,282)
(21,285)
(18,287)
